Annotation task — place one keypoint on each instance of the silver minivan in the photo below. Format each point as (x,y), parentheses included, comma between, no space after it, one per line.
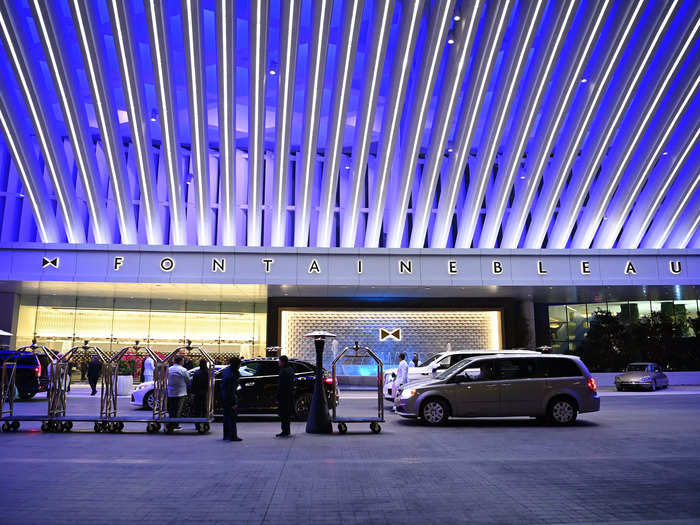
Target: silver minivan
(557,387)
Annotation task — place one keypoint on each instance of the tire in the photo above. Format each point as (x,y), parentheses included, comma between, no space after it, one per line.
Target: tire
(15,426)
(342,428)
(434,411)
(148,400)
(150,428)
(5,427)
(562,411)
(302,405)
(97,427)
(652,388)
(375,427)
(45,426)
(620,389)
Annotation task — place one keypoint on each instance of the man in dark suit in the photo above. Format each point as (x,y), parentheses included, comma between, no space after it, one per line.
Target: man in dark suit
(93,373)
(285,394)
(229,398)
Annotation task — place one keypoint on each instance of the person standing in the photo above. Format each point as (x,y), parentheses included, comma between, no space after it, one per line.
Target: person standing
(148,366)
(401,376)
(93,373)
(285,395)
(229,398)
(415,361)
(200,389)
(178,381)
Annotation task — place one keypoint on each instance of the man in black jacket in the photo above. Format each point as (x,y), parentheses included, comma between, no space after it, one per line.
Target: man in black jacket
(285,394)
(93,373)
(229,398)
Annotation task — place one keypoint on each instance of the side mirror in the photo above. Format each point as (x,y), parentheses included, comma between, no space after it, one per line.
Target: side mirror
(434,372)
(462,378)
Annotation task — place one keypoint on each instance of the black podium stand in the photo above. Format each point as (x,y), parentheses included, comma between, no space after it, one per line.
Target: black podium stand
(319,421)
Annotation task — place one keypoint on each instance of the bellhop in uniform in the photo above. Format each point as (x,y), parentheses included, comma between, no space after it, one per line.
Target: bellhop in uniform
(285,395)
(229,398)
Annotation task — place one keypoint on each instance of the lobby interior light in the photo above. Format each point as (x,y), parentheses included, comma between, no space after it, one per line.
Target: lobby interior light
(584,80)
(451,38)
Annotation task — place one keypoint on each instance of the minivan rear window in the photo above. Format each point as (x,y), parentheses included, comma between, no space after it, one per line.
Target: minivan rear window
(558,367)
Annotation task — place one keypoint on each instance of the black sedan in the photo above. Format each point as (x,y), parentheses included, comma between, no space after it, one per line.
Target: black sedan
(258,386)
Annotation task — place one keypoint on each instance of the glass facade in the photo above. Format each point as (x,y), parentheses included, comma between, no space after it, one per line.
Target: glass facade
(569,323)
(221,327)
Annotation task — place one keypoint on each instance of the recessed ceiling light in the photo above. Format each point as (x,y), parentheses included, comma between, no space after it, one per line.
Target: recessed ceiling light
(665,153)
(457,17)
(584,80)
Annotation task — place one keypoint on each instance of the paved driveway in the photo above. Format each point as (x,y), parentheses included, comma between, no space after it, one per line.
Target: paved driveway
(638,459)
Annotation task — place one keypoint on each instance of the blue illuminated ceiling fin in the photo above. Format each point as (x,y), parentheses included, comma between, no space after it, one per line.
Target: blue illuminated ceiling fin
(73,116)
(135,105)
(527,21)
(257,34)
(447,106)
(90,41)
(629,139)
(497,16)
(607,125)
(579,122)
(374,64)
(167,115)
(26,165)
(654,192)
(49,141)
(408,35)
(289,41)
(554,111)
(352,18)
(439,25)
(536,82)
(322,10)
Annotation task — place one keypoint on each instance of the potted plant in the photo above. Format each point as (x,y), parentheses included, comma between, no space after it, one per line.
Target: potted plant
(125,377)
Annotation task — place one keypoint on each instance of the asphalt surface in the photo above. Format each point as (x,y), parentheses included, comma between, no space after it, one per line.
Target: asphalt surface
(636,460)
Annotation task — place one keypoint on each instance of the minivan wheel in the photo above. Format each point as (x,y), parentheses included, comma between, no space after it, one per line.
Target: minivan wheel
(562,411)
(434,412)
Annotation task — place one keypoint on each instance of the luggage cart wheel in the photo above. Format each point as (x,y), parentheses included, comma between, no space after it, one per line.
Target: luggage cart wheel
(5,427)
(342,428)
(151,428)
(98,427)
(67,426)
(375,427)
(205,427)
(15,426)
(120,426)
(44,426)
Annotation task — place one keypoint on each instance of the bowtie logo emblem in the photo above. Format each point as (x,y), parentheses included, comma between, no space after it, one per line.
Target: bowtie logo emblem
(46,262)
(394,334)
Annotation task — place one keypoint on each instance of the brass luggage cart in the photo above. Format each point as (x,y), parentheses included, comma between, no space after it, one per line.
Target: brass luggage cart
(110,421)
(10,420)
(202,422)
(360,353)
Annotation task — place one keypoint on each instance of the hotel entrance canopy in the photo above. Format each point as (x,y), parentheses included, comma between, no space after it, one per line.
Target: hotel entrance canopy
(432,124)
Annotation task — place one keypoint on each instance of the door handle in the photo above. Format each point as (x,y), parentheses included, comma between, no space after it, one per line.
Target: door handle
(506,384)
(249,384)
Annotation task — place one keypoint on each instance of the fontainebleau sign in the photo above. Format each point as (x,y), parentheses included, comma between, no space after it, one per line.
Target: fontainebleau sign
(376,267)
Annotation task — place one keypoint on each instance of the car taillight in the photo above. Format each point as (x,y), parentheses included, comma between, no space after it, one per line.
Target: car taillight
(328,380)
(592,385)
(37,369)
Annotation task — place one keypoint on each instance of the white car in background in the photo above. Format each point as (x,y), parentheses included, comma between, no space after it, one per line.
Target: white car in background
(438,362)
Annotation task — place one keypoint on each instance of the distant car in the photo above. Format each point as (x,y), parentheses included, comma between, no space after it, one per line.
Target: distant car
(641,375)
(258,386)
(30,373)
(436,364)
(554,386)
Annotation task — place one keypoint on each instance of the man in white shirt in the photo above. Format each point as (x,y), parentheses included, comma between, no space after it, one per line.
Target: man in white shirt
(401,376)
(148,366)
(178,381)
(415,361)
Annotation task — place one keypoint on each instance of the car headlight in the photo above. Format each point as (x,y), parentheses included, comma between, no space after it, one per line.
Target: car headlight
(646,379)
(408,393)
(142,386)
